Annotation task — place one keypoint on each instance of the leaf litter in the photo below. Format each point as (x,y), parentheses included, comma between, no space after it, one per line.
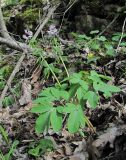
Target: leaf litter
(109,140)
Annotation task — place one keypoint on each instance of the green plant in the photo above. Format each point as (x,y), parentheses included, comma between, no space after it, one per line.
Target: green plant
(12,147)
(43,146)
(8,155)
(50,68)
(99,43)
(69,100)
(11,2)
(4,134)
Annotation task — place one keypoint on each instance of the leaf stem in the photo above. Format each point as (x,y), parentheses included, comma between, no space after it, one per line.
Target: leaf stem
(89,124)
(51,70)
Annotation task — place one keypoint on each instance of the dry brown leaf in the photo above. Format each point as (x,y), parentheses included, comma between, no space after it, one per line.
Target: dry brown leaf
(67,149)
(26,90)
(36,74)
(108,136)
(81,146)
(79,156)
(36,89)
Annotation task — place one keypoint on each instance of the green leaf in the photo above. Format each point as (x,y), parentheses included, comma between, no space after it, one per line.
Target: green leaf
(55,92)
(39,108)
(105,77)
(43,100)
(75,78)
(95,45)
(42,122)
(123,44)
(113,88)
(64,95)
(94,76)
(102,38)
(11,151)
(34,151)
(110,50)
(46,92)
(2,84)
(70,107)
(4,134)
(94,32)
(106,88)
(116,38)
(81,117)
(46,144)
(73,122)
(46,72)
(79,93)
(84,85)
(56,120)
(73,90)
(107,94)
(83,36)
(92,98)
(60,109)
(8,101)
(76,119)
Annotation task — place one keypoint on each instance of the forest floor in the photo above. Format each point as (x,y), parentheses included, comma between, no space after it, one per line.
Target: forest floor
(105,136)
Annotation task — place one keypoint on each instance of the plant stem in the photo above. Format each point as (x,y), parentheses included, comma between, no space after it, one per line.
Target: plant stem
(64,66)
(51,70)
(89,124)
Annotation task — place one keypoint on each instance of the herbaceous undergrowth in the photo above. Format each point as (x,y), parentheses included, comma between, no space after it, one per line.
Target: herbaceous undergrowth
(69,100)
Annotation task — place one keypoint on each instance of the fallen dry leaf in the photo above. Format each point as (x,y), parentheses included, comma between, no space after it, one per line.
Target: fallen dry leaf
(36,74)
(26,90)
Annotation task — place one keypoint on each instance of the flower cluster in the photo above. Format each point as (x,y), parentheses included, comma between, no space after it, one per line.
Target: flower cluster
(52,30)
(27,35)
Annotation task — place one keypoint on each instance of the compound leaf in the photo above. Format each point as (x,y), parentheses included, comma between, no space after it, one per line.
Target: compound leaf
(92,98)
(73,122)
(56,120)
(42,122)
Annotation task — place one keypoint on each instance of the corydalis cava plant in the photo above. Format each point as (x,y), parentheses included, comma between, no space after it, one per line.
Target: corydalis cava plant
(69,100)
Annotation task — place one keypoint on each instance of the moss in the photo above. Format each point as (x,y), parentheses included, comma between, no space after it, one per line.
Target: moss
(37,2)
(30,15)
(7,15)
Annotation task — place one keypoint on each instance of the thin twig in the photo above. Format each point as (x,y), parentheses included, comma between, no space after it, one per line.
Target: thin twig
(50,13)
(123,30)
(16,69)
(66,12)
(109,25)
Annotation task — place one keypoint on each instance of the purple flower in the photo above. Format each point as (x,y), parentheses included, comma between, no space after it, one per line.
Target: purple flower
(52,30)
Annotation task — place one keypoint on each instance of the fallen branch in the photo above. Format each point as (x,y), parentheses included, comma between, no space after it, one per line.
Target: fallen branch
(123,30)
(3,28)
(50,13)
(16,69)
(7,39)
(15,45)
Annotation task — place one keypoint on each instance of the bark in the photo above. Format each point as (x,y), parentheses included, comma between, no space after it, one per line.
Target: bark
(3,28)
(15,45)
(8,40)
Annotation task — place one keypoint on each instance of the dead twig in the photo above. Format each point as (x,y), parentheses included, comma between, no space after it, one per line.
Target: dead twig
(71,4)
(15,45)
(109,25)
(16,69)
(50,13)
(123,30)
